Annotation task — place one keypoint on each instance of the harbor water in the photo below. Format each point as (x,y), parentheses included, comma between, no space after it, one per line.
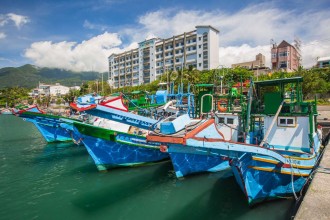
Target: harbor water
(60,181)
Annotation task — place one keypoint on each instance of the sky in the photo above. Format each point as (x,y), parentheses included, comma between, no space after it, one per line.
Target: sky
(79,35)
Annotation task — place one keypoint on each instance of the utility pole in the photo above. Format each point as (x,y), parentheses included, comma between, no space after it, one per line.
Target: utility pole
(102,85)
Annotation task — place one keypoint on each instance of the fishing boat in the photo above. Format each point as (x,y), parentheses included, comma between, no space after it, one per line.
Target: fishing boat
(124,143)
(6,111)
(282,141)
(48,125)
(112,144)
(227,125)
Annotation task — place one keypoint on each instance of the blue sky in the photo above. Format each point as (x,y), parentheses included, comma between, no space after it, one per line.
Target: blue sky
(79,35)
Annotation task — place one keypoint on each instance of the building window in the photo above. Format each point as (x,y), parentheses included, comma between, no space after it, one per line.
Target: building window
(199,46)
(199,64)
(199,55)
(283,64)
(200,38)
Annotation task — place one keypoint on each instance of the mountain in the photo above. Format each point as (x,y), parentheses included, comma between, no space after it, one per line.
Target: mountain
(29,76)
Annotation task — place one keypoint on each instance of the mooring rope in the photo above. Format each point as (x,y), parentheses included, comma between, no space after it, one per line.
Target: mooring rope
(294,193)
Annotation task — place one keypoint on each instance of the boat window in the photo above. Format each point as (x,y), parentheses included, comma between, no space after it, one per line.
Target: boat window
(282,121)
(221,120)
(230,121)
(286,122)
(289,121)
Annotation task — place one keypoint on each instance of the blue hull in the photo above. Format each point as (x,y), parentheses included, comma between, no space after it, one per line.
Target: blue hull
(189,163)
(108,154)
(51,131)
(271,183)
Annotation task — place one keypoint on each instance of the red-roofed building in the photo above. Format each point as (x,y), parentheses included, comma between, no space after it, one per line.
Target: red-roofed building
(285,56)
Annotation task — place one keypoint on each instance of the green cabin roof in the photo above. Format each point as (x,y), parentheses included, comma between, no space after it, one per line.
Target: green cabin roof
(135,92)
(279,81)
(204,85)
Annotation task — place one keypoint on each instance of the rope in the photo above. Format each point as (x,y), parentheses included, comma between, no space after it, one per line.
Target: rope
(133,102)
(323,170)
(294,193)
(225,123)
(75,141)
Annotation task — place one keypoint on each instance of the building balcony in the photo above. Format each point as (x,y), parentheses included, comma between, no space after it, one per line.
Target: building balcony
(191,44)
(190,52)
(178,53)
(169,49)
(178,47)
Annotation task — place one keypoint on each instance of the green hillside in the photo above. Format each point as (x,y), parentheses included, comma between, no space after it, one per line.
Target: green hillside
(29,76)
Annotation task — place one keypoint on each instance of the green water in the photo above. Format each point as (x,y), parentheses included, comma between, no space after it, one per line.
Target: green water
(60,181)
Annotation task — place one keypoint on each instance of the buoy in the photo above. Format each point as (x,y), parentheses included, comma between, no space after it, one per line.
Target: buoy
(163,148)
(222,102)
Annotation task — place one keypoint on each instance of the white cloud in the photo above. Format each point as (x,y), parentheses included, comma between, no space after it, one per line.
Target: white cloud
(3,20)
(238,54)
(314,49)
(19,20)
(88,55)
(92,26)
(2,35)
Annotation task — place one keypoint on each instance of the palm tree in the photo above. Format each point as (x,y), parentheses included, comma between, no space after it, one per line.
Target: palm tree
(191,75)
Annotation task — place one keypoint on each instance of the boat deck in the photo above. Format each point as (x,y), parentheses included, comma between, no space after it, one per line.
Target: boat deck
(180,133)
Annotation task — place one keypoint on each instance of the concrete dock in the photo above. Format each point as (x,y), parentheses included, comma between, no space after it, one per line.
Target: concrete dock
(316,203)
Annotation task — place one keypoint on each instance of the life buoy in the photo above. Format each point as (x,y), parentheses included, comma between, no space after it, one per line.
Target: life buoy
(222,102)
(163,148)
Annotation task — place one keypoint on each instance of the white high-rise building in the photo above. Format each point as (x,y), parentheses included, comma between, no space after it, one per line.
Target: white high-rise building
(198,48)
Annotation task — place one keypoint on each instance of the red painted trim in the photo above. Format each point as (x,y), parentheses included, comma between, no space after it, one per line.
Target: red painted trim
(112,100)
(219,132)
(26,110)
(164,139)
(74,106)
(207,139)
(199,129)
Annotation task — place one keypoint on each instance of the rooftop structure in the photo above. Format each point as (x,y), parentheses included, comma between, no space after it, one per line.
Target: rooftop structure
(323,62)
(52,90)
(258,62)
(257,66)
(198,48)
